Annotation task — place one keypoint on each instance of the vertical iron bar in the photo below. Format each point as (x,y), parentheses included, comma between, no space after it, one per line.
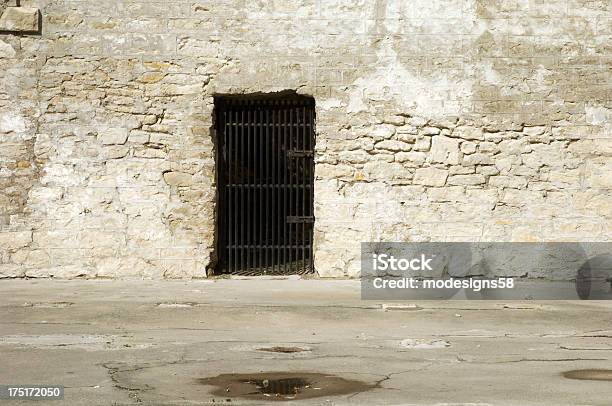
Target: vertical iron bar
(304,183)
(249,217)
(241,187)
(312,142)
(281,189)
(262,180)
(228,180)
(266,140)
(292,191)
(274,194)
(236,191)
(285,186)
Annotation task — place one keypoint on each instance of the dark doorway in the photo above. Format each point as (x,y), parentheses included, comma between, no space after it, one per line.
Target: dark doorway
(265,176)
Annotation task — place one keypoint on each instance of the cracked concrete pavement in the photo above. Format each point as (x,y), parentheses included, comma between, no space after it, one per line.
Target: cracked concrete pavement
(152,342)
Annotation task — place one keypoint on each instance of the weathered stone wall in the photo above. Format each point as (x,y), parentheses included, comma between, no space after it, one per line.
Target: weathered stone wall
(436,120)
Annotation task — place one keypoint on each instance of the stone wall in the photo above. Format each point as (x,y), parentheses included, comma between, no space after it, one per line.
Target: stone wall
(436,120)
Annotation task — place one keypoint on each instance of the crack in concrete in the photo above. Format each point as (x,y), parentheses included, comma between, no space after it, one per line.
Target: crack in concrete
(132,392)
(565,347)
(45,323)
(377,384)
(541,360)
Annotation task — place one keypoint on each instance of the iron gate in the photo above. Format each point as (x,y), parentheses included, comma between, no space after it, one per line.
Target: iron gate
(266,177)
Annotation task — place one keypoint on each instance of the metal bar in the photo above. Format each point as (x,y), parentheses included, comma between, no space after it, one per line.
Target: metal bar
(259,164)
(237,209)
(241,189)
(227,210)
(285,192)
(304,179)
(281,192)
(312,141)
(274,191)
(293,235)
(267,159)
(249,217)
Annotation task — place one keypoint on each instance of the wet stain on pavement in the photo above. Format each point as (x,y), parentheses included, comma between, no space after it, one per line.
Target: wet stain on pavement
(283,386)
(589,374)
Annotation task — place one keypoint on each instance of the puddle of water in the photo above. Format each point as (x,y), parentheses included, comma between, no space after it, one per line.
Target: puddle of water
(589,374)
(284,350)
(283,386)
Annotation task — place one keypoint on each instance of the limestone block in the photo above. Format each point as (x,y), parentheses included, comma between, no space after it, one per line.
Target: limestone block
(392,145)
(504,164)
(354,157)
(11,121)
(598,173)
(469,133)
(514,147)
(406,137)
(477,159)
(383,131)
(407,129)
(14,240)
(468,147)
(62,272)
(422,144)
(417,121)
(394,120)
(150,153)
(11,271)
(110,136)
(431,131)
(601,146)
(461,170)
(382,170)
(20,19)
(430,176)
(139,137)
(476,179)
(487,146)
(534,131)
(178,178)
(415,158)
(445,150)
(487,170)
(325,171)
(6,50)
(31,258)
(447,194)
(116,151)
(516,182)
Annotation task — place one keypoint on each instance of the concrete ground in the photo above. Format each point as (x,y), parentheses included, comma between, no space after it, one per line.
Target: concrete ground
(158,342)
